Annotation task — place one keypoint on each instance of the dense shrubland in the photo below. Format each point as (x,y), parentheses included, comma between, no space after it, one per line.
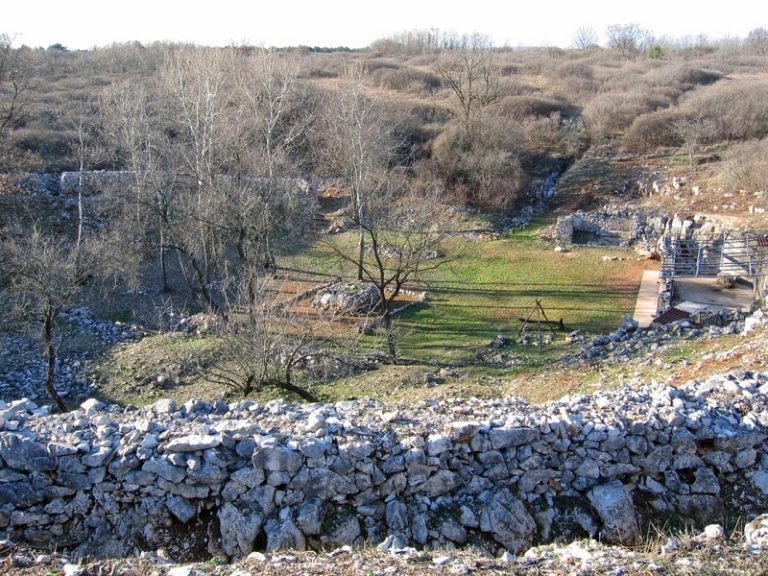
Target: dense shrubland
(541,97)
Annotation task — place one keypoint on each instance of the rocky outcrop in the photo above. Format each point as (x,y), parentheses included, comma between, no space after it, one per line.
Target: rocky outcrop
(347,298)
(501,474)
(628,341)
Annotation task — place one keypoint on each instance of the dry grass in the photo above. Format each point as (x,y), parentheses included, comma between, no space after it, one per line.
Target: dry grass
(693,558)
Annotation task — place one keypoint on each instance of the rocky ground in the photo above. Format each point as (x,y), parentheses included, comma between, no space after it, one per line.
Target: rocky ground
(703,554)
(22,366)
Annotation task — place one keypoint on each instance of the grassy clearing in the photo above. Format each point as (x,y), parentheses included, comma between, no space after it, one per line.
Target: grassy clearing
(488,286)
(482,292)
(492,285)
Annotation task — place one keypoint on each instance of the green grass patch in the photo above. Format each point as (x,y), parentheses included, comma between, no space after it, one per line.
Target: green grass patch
(158,366)
(483,291)
(490,287)
(486,287)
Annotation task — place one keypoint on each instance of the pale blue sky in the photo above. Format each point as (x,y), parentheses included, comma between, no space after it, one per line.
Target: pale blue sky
(357,23)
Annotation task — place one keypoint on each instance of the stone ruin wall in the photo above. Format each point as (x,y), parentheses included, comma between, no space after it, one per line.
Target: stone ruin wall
(640,228)
(617,227)
(502,475)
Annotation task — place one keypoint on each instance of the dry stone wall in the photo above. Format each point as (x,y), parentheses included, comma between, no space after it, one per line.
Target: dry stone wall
(203,478)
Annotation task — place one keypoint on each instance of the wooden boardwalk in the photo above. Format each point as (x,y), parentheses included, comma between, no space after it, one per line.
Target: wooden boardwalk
(647,298)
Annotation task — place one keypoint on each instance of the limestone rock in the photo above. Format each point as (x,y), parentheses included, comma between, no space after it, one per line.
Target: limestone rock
(396,515)
(714,532)
(345,530)
(181,508)
(442,482)
(616,511)
(756,533)
(310,516)
(760,480)
(277,459)
(506,437)
(706,482)
(163,468)
(509,523)
(22,453)
(284,535)
(347,297)
(239,529)
(193,442)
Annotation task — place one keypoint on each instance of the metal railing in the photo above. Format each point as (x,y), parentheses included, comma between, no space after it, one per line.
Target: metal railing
(726,255)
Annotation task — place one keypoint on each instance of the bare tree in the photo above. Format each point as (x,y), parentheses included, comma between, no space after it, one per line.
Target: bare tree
(86,147)
(277,347)
(692,129)
(198,91)
(473,78)
(757,41)
(358,147)
(477,152)
(585,38)
(14,70)
(13,81)
(265,351)
(47,273)
(213,162)
(406,234)
(272,208)
(628,38)
(133,127)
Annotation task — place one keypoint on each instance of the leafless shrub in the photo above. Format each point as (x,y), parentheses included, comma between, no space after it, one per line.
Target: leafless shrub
(531,61)
(323,66)
(511,86)
(48,144)
(510,69)
(372,64)
(578,91)
(746,167)
(405,80)
(651,131)
(683,76)
(738,109)
(520,107)
(423,60)
(483,167)
(627,77)
(555,134)
(608,115)
(578,69)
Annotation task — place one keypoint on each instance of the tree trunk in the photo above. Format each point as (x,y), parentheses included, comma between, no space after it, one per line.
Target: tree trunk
(391,341)
(203,287)
(299,391)
(80,205)
(163,268)
(361,238)
(50,355)
(360,253)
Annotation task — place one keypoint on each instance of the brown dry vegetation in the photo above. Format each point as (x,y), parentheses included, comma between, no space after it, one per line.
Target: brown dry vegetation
(554,105)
